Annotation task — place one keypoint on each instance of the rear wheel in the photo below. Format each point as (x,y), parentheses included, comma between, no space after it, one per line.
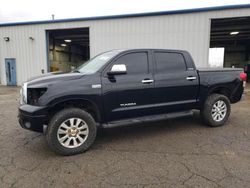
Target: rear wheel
(216,110)
(71,131)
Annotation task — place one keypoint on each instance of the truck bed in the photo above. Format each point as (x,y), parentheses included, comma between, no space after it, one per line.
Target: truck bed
(224,78)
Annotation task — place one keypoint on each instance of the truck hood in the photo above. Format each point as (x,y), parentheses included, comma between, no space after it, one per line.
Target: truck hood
(49,78)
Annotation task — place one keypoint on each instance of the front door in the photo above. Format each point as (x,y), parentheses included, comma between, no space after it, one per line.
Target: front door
(10,67)
(129,95)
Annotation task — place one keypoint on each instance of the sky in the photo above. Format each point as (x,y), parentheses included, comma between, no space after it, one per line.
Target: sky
(30,10)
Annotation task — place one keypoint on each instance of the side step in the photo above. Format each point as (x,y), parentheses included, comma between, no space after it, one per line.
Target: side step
(147,119)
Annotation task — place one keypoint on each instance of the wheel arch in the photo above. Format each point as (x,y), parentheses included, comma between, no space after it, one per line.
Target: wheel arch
(220,90)
(82,103)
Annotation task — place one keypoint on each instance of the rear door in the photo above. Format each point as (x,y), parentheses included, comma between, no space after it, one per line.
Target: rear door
(129,95)
(176,86)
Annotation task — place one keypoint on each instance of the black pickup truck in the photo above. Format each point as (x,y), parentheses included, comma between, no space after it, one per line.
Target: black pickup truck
(122,87)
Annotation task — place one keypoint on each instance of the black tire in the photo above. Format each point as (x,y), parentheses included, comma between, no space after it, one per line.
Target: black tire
(58,119)
(206,112)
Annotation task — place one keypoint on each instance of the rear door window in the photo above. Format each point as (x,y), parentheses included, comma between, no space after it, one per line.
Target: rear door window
(169,61)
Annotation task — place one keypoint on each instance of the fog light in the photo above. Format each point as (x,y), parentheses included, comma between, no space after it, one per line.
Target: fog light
(27,124)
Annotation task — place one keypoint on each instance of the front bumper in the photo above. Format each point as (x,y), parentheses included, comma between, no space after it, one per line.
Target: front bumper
(33,117)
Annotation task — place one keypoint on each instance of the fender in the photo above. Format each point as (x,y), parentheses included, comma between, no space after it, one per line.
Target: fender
(78,100)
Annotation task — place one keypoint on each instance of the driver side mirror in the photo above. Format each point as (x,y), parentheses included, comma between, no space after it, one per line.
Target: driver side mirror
(118,69)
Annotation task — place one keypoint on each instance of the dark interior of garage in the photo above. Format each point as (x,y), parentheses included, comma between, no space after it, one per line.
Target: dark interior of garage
(67,48)
(232,34)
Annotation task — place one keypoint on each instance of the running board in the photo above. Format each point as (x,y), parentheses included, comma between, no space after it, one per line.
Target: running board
(147,119)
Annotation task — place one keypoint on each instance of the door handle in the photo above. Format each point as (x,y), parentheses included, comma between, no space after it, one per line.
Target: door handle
(190,78)
(147,81)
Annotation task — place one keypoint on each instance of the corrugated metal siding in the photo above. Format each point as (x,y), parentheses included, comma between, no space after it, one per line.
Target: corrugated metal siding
(178,31)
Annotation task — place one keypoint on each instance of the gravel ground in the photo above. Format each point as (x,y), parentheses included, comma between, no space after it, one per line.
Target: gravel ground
(173,153)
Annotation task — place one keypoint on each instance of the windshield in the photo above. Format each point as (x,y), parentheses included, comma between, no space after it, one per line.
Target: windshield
(94,64)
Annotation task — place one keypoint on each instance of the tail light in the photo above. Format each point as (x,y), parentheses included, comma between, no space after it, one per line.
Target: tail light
(243,76)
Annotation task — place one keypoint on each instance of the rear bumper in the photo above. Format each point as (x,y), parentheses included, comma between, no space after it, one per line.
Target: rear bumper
(32,117)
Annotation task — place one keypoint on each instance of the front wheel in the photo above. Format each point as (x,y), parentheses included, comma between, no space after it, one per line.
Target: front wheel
(71,131)
(216,110)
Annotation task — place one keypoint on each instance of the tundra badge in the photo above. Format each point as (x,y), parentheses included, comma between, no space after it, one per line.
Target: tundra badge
(128,104)
(96,86)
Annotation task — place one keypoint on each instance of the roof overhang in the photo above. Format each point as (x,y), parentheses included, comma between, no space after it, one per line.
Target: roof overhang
(185,11)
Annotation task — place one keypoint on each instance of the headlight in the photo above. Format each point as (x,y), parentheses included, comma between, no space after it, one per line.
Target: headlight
(23,94)
(30,95)
(33,95)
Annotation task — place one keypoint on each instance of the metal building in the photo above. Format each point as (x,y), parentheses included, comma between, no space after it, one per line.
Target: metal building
(29,49)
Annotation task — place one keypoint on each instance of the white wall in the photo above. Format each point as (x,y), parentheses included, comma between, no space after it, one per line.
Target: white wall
(180,31)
